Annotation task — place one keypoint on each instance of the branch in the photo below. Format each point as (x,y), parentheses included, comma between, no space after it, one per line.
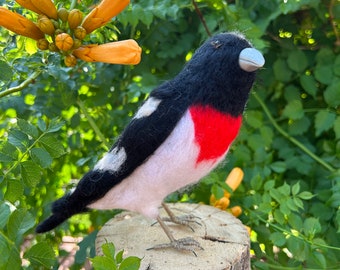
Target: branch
(21,86)
(93,124)
(201,17)
(291,139)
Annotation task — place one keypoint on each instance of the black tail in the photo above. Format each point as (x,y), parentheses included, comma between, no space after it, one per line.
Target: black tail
(62,209)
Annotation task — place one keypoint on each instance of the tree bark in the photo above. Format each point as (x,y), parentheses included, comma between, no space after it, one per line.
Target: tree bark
(224,239)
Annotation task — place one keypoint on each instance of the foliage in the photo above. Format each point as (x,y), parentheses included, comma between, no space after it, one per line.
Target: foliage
(111,260)
(55,122)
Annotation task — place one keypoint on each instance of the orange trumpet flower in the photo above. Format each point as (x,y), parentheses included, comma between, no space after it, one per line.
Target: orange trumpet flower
(19,24)
(44,7)
(125,52)
(103,13)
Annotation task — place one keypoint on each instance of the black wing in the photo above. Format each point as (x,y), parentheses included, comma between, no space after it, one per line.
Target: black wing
(140,139)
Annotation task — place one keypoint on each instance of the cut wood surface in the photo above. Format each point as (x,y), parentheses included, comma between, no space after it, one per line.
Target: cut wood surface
(224,239)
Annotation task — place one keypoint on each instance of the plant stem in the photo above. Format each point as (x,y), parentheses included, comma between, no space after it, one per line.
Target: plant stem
(21,86)
(73,4)
(291,139)
(93,124)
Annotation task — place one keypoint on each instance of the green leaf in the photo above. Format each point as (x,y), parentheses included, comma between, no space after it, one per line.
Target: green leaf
(119,256)
(296,188)
(130,263)
(324,120)
(305,195)
(52,145)
(281,71)
(14,191)
(18,139)
(309,84)
(41,254)
(30,173)
(109,250)
(28,128)
(299,126)
(41,157)
(332,94)
(103,263)
(256,182)
(55,125)
(4,214)
(311,226)
(297,61)
(324,74)
(6,71)
(254,118)
(278,239)
(337,127)
(11,260)
(19,222)
(278,166)
(41,124)
(294,110)
(319,259)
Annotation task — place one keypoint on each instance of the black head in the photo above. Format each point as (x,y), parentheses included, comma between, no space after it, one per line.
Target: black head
(222,72)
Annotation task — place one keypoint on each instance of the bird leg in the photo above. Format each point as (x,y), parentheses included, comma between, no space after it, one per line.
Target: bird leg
(187,243)
(181,220)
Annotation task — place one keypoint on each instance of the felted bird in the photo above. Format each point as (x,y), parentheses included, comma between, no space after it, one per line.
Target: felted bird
(181,132)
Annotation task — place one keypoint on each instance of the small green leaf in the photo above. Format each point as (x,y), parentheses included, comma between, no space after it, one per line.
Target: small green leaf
(278,239)
(324,74)
(254,118)
(41,254)
(281,71)
(296,188)
(19,222)
(332,94)
(103,263)
(18,139)
(305,195)
(52,145)
(28,128)
(14,191)
(337,127)
(309,84)
(41,157)
(294,110)
(297,61)
(311,226)
(256,182)
(4,214)
(278,166)
(324,120)
(55,125)
(6,71)
(30,173)
(130,263)
(268,185)
(41,124)
(109,250)
(119,257)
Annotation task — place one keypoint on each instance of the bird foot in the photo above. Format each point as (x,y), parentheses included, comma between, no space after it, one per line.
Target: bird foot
(183,220)
(187,244)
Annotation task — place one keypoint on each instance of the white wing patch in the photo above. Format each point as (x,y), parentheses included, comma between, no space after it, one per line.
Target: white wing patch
(112,160)
(148,107)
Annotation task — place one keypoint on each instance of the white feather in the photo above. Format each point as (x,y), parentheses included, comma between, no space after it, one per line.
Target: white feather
(112,160)
(148,107)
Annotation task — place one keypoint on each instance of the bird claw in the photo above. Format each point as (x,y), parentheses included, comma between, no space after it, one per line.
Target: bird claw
(185,220)
(187,244)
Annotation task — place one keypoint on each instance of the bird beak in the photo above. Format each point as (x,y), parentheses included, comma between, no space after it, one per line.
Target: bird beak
(250,59)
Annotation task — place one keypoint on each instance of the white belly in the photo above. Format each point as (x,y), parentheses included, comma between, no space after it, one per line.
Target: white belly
(171,167)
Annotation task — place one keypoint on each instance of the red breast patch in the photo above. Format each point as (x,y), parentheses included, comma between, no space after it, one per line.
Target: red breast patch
(214,131)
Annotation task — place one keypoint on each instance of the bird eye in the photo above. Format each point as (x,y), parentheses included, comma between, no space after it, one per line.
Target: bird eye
(216,44)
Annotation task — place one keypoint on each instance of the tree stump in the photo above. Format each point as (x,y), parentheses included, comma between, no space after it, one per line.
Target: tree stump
(223,237)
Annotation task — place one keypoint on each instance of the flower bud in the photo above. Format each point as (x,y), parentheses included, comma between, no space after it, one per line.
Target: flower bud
(63,14)
(76,43)
(46,25)
(70,60)
(58,31)
(75,18)
(64,41)
(52,47)
(42,44)
(80,32)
